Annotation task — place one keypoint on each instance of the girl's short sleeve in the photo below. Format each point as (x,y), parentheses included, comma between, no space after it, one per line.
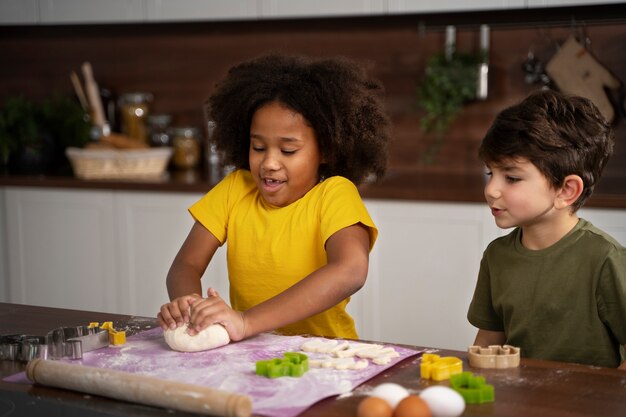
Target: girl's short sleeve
(342,206)
(212,210)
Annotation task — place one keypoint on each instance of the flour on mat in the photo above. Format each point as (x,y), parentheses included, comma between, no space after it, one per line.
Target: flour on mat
(232,368)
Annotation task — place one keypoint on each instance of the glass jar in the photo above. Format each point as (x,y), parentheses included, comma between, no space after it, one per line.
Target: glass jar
(186,144)
(133,108)
(158,125)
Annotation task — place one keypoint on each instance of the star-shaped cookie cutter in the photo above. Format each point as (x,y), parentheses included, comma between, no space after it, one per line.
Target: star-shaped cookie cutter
(473,389)
(292,364)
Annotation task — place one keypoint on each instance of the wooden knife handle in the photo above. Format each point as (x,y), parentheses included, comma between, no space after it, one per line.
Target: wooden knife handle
(138,388)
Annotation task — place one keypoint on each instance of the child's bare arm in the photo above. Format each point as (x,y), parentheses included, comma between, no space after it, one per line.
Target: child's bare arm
(487,337)
(183,278)
(345,273)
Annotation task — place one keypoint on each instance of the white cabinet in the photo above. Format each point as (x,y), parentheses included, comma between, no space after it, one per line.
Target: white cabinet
(96,250)
(60,249)
(424,266)
(319,8)
(91,11)
(420,6)
(563,3)
(19,12)
(187,10)
(423,272)
(134,11)
(151,228)
(110,251)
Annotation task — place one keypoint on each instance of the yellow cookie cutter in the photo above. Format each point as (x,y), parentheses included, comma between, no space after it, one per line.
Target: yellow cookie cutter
(494,356)
(439,368)
(116,337)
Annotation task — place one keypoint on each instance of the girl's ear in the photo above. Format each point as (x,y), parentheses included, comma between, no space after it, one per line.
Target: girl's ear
(569,192)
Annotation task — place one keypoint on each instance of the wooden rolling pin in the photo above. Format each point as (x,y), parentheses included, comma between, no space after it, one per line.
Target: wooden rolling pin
(93,96)
(138,388)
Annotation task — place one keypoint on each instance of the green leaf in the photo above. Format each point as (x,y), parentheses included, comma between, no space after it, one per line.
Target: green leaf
(447,85)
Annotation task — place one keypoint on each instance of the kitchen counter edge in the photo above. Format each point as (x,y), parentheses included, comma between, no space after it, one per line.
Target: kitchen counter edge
(404,186)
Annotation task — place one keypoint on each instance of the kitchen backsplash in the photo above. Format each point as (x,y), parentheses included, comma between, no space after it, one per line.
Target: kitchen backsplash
(180,63)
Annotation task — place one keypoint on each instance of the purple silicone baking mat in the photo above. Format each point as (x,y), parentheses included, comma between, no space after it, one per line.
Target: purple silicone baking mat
(232,368)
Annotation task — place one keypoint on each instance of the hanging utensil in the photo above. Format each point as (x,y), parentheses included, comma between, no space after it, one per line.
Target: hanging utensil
(576,71)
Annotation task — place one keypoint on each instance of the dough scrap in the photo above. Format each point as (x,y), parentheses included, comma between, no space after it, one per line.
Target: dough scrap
(341,354)
(210,338)
(354,348)
(384,359)
(377,353)
(319,345)
(338,363)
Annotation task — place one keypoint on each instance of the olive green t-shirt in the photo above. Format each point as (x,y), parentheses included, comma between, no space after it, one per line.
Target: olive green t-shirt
(564,303)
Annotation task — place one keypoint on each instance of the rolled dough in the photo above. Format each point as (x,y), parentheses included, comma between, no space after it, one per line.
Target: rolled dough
(210,338)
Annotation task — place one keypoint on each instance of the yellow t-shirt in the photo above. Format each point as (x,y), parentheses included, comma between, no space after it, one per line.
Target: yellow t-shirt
(272,248)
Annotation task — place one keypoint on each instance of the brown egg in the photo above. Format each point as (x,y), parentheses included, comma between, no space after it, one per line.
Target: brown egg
(412,406)
(374,407)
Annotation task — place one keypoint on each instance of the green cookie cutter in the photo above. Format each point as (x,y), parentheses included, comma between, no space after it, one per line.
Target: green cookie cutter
(472,388)
(292,364)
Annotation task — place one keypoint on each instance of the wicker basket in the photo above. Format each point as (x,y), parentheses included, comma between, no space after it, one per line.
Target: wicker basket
(92,164)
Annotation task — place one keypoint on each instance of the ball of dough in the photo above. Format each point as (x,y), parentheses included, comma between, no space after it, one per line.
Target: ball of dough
(210,338)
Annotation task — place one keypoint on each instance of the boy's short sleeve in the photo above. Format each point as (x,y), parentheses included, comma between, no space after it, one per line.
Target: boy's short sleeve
(612,293)
(481,313)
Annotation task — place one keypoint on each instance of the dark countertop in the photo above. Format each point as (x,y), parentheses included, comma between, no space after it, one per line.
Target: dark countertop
(535,388)
(397,185)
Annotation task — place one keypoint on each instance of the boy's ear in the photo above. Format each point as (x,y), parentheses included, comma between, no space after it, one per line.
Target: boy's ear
(569,192)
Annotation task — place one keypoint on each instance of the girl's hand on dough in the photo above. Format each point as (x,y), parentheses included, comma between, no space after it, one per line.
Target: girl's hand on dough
(176,313)
(214,310)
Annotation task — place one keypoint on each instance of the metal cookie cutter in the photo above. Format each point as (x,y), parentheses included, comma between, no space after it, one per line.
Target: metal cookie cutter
(22,347)
(18,347)
(10,345)
(72,342)
(494,356)
(33,347)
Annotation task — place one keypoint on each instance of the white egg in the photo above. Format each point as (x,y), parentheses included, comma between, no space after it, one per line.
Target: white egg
(443,401)
(392,393)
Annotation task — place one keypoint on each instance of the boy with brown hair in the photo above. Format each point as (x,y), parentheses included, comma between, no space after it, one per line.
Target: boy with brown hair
(556,285)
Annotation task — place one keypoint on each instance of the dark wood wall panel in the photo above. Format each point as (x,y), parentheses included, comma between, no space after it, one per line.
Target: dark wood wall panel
(180,64)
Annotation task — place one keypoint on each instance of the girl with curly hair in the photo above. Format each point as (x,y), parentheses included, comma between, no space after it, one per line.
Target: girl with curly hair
(301,134)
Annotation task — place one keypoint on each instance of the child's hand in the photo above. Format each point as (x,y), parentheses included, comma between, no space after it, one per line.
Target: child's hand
(176,313)
(214,310)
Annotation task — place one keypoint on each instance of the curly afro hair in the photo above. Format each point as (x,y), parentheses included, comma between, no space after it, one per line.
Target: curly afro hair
(334,95)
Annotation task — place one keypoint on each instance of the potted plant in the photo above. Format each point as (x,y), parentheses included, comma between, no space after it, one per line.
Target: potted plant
(19,131)
(33,137)
(8,144)
(450,80)
(66,122)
